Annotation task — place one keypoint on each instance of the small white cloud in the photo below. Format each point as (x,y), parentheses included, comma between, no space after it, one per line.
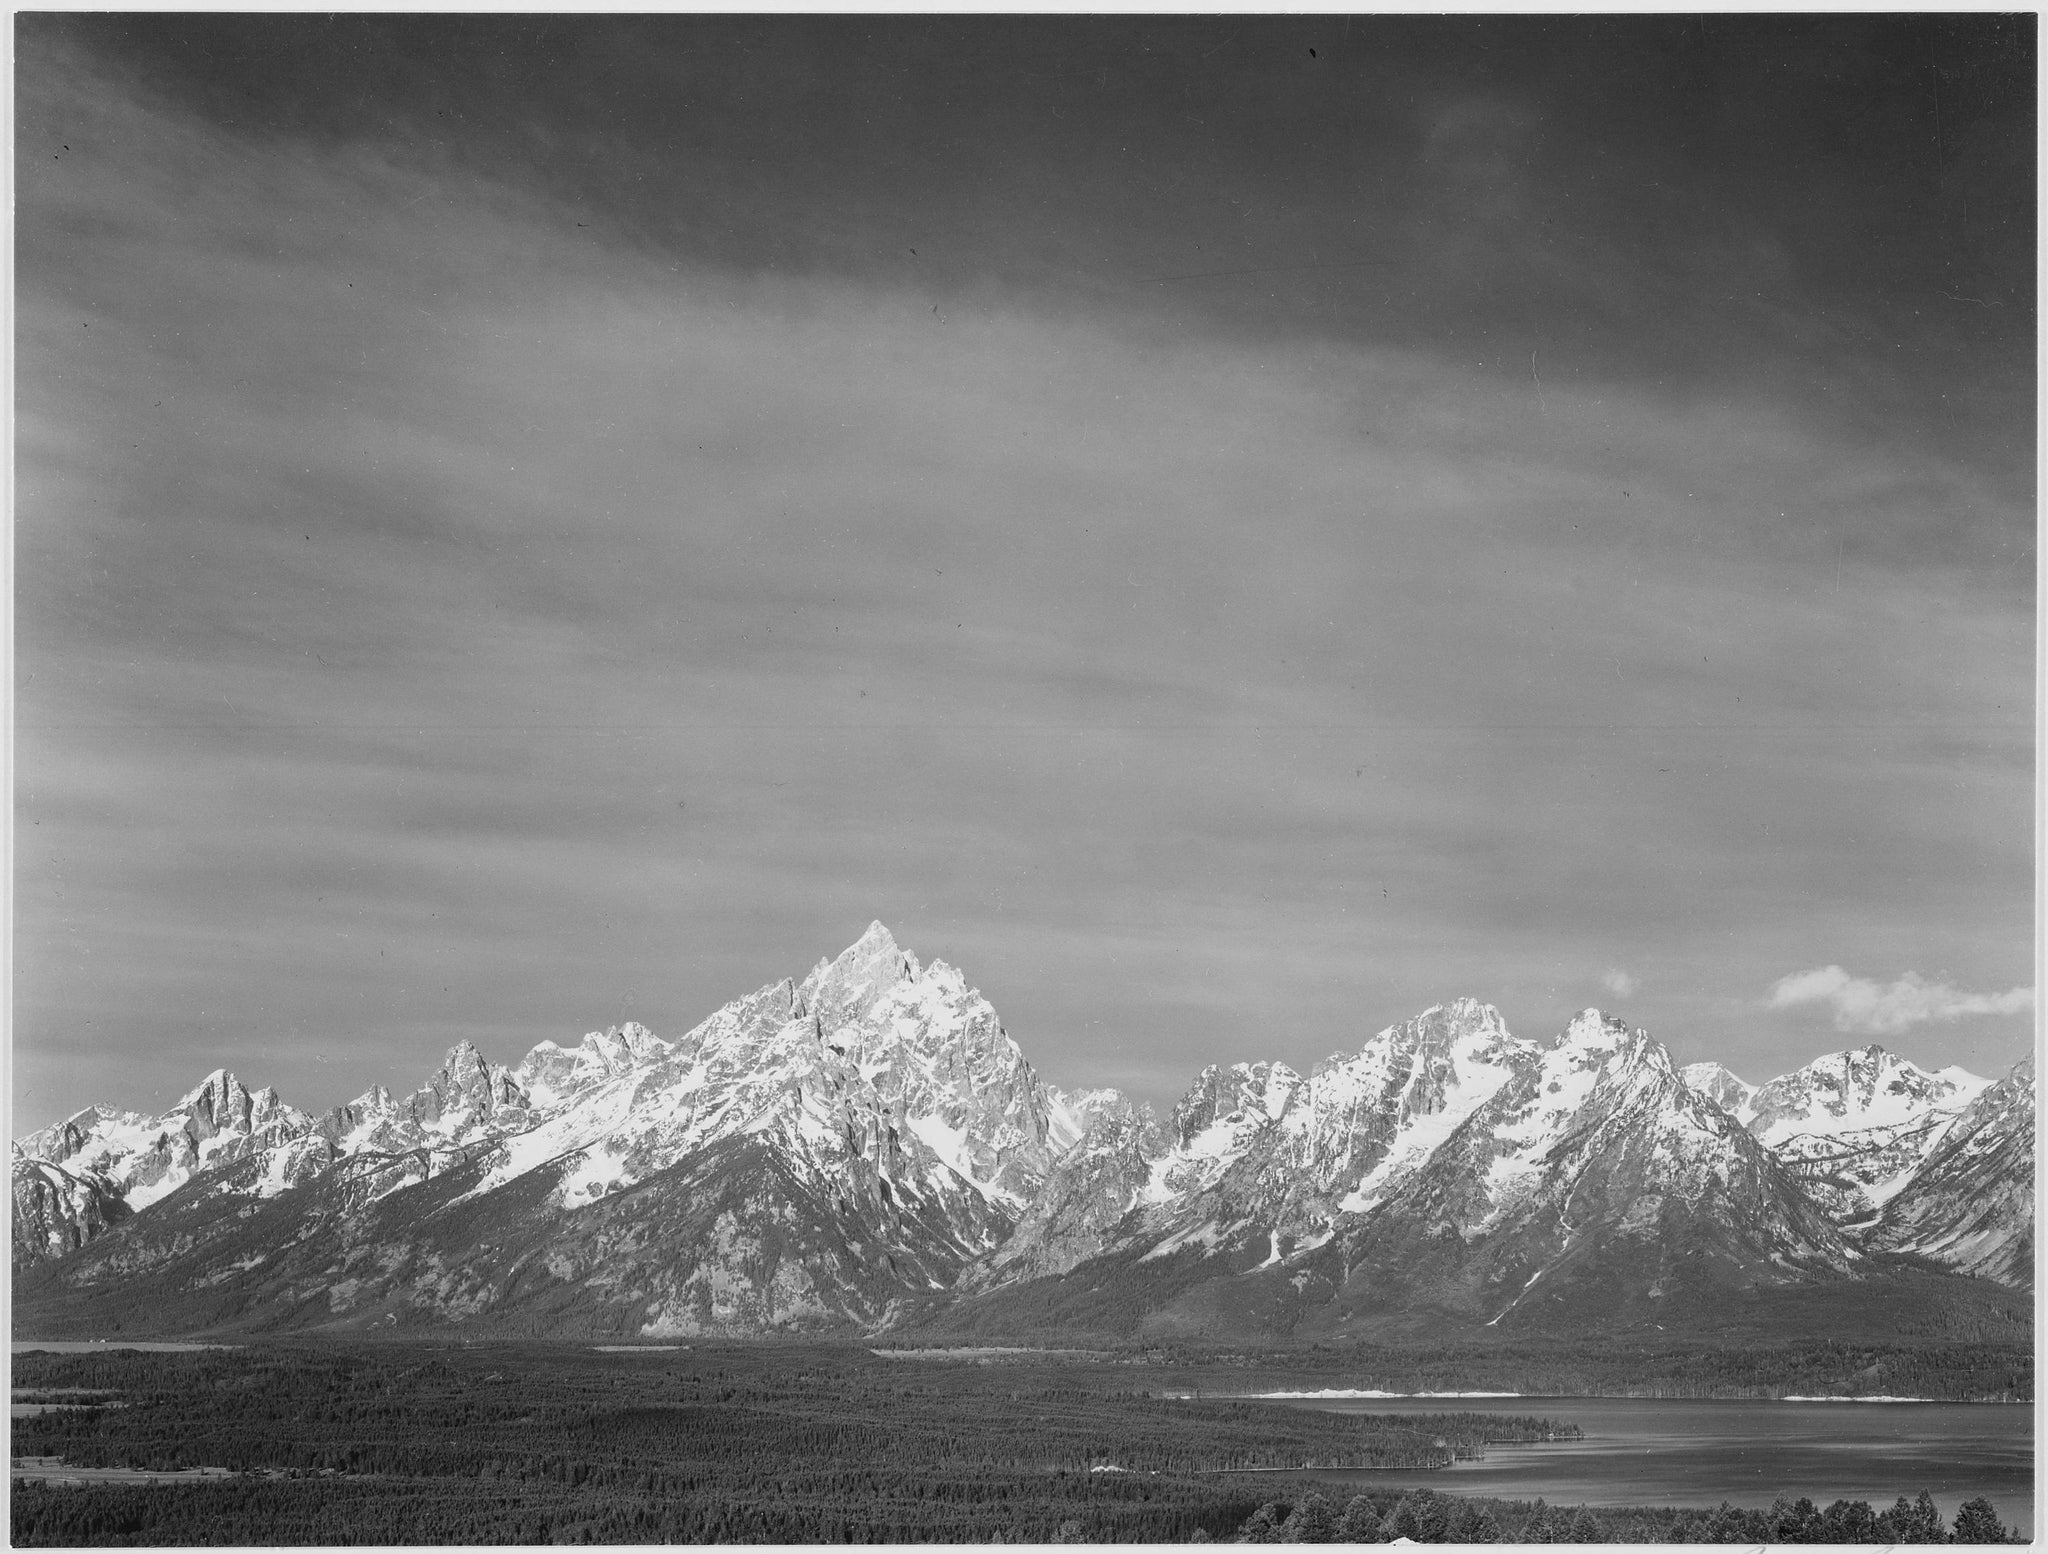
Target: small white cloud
(1618,982)
(1877,1009)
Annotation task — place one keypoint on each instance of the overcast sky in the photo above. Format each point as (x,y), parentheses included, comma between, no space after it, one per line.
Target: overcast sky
(1228,530)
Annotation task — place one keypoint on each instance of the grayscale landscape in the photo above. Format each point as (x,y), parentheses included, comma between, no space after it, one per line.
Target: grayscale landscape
(1412,636)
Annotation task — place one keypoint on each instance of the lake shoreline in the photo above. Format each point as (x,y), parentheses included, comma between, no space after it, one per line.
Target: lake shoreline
(1751,1451)
(110,1346)
(1372,1395)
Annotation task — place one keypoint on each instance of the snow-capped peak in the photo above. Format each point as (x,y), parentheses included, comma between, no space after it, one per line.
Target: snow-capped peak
(843,990)
(139,1160)
(1595,1034)
(216,1092)
(897,1073)
(1969,1200)
(376,1098)
(898,1134)
(1070,1113)
(551,1074)
(221,1104)
(1381,1114)
(1244,1096)
(1718,1084)
(1469,1019)
(1856,1090)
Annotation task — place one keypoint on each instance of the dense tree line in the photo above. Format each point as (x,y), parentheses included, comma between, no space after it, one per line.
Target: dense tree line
(892,1508)
(1625,1367)
(1427,1517)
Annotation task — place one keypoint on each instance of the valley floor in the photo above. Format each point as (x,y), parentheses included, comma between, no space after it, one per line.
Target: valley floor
(442,1441)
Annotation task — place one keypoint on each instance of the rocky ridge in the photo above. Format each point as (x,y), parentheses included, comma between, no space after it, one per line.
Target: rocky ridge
(1969,1204)
(1596,1178)
(867,1146)
(1856,1126)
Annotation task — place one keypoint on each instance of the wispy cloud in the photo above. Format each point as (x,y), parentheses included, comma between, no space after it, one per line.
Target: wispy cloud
(1618,982)
(1873,1008)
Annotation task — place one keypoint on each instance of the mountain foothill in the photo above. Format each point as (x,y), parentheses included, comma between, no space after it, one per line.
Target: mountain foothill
(866,1150)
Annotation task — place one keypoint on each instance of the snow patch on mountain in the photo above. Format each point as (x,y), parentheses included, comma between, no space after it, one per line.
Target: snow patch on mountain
(1857,1091)
(553,1075)
(838,1148)
(142,1160)
(1725,1089)
(1970,1202)
(1855,1126)
(1410,1089)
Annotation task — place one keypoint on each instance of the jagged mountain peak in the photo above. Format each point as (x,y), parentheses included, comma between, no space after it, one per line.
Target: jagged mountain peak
(1422,1054)
(1379,1113)
(1595,1050)
(617,1047)
(1455,1018)
(551,1073)
(1594,1160)
(1082,1102)
(56,1212)
(1969,1203)
(466,1096)
(889,1087)
(1259,1157)
(1107,1151)
(1717,1083)
(868,1137)
(1856,1127)
(1072,1113)
(875,940)
(1596,1066)
(376,1098)
(463,1057)
(61,1140)
(221,1104)
(845,989)
(1864,1087)
(120,1162)
(1594,1033)
(467,1072)
(218,1091)
(1244,1095)
(877,1005)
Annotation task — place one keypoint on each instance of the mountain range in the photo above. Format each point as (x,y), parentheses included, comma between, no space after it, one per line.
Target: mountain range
(867,1149)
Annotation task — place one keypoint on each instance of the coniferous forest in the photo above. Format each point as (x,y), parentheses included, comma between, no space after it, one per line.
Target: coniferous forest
(440,1442)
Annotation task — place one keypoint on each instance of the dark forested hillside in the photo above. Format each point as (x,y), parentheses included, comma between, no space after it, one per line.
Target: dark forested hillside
(1177,1297)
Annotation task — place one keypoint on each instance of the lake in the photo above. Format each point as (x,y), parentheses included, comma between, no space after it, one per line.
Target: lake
(104,1345)
(1699,1452)
(30,1410)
